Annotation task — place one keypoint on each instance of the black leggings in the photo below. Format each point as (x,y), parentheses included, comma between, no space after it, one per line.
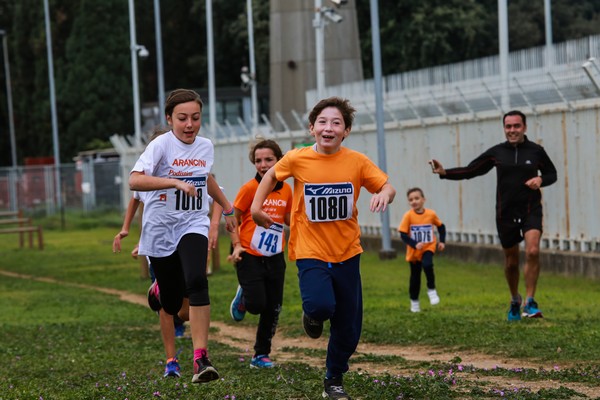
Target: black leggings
(426,264)
(183,274)
(261,279)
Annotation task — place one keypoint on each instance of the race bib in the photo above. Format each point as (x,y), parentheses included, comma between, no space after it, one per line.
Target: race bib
(325,202)
(421,233)
(178,201)
(268,241)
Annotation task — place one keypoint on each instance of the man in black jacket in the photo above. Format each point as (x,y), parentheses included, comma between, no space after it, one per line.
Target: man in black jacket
(522,168)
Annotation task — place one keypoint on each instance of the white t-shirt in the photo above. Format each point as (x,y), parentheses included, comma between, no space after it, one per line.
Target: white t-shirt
(169,214)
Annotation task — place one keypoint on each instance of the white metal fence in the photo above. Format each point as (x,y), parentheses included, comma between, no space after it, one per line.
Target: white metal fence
(450,113)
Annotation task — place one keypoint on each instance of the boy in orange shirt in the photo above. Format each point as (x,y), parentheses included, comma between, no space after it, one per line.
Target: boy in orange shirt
(416,231)
(324,231)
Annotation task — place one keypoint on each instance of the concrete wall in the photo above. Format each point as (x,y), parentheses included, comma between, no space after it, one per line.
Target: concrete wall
(568,263)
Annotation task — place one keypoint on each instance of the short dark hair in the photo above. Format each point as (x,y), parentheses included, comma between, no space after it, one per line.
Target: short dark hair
(266,144)
(414,189)
(343,105)
(515,112)
(179,96)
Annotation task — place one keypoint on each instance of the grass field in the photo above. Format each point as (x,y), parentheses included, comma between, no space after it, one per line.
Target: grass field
(62,341)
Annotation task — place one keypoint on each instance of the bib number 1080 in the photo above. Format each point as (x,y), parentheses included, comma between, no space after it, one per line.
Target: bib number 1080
(183,202)
(328,208)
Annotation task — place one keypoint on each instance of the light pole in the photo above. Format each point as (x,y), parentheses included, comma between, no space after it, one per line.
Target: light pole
(11,121)
(11,126)
(159,63)
(319,25)
(503,55)
(212,92)
(253,89)
(386,252)
(134,47)
(53,112)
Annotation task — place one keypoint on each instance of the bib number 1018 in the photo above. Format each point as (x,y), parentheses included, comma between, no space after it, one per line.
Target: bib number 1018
(183,202)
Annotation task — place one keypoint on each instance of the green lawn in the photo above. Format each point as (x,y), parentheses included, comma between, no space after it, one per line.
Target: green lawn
(60,341)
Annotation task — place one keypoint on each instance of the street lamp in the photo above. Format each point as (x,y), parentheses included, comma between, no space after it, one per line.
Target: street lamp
(11,121)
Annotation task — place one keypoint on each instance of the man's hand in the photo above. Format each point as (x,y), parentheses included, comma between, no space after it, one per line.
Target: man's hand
(534,183)
(436,167)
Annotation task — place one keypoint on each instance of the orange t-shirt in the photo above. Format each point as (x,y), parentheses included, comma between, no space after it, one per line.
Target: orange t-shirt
(420,228)
(257,240)
(324,223)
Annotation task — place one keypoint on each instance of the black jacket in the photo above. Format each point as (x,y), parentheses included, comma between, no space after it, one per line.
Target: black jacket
(514,166)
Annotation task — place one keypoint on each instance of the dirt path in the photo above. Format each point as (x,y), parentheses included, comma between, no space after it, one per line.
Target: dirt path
(242,337)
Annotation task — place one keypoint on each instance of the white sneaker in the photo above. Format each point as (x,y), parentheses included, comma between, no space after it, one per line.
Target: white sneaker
(415,306)
(433,296)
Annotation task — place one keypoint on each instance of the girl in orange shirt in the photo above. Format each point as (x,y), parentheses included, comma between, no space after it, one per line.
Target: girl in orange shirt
(258,253)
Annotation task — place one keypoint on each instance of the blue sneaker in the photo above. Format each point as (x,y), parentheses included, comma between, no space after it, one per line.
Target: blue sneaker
(172,368)
(531,309)
(237,308)
(261,361)
(179,330)
(514,312)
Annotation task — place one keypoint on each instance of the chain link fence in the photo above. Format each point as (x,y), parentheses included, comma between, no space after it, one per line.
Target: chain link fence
(85,186)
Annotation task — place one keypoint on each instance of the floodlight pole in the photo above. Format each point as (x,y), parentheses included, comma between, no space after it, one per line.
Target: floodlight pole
(11,126)
(503,56)
(11,121)
(212,96)
(386,252)
(159,63)
(137,120)
(548,26)
(319,25)
(253,89)
(53,113)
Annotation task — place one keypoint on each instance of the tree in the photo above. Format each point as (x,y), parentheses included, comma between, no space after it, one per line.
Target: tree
(95,94)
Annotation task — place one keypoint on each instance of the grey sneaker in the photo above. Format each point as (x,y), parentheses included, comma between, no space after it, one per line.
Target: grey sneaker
(312,327)
(334,389)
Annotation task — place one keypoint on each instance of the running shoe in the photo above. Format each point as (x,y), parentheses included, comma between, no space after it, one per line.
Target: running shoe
(237,308)
(204,371)
(312,327)
(514,312)
(172,368)
(154,297)
(261,361)
(415,306)
(179,330)
(433,297)
(531,309)
(334,389)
